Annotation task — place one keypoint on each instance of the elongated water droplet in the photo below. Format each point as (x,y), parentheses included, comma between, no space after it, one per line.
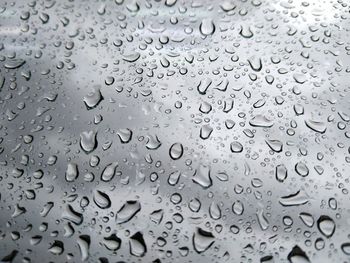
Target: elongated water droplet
(307,219)
(132,57)
(112,242)
(316,126)
(137,245)
(14,64)
(88,141)
(298,198)
(255,63)
(204,85)
(84,246)
(109,172)
(102,200)
(128,211)
(202,240)
(281,173)
(261,121)
(275,145)
(264,224)
(72,172)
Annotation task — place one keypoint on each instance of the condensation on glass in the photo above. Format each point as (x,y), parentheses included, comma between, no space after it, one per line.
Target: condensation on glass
(174,131)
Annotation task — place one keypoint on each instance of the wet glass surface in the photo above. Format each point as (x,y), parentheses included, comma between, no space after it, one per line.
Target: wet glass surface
(174,131)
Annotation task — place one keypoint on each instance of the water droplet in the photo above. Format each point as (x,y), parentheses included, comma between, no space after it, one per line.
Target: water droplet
(345,247)
(203,177)
(316,126)
(109,172)
(207,27)
(153,143)
(261,121)
(246,32)
(132,57)
(137,245)
(236,147)
(112,242)
(301,169)
(326,226)
(72,172)
(281,173)
(93,98)
(204,85)
(255,63)
(298,198)
(307,219)
(125,135)
(128,211)
(205,131)
(88,141)
(101,199)
(84,246)
(57,248)
(275,145)
(202,240)
(297,256)
(238,208)
(176,151)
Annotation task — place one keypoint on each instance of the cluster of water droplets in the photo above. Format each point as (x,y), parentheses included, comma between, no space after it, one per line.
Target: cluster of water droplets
(174,131)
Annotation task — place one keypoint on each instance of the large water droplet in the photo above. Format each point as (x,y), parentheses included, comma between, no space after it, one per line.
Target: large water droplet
(207,27)
(203,177)
(88,141)
(202,240)
(281,173)
(298,198)
(261,121)
(93,98)
(128,211)
(176,151)
(72,172)
(326,226)
(109,172)
(102,200)
(316,126)
(297,255)
(137,245)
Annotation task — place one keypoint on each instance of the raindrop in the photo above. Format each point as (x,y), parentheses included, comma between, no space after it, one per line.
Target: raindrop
(102,200)
(207,27)
(137,245)
(176,151)
(326,226)
(88,141)
(298,198)
(261,121)
(128,211)
(93,98)
(202,240)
